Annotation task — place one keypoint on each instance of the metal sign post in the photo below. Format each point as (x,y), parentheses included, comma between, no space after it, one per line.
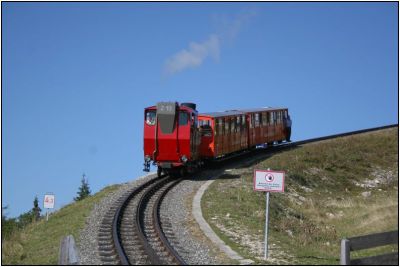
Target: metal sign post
(48,203)
(266,226)
(268,181)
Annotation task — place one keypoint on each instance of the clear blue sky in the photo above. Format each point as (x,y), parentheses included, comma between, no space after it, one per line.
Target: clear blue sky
(76,77)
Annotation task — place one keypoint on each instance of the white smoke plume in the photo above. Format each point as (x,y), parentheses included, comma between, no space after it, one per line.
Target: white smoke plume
(193,56)
(197,53)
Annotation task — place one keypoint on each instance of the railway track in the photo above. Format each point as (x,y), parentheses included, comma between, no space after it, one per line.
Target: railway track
(132,231)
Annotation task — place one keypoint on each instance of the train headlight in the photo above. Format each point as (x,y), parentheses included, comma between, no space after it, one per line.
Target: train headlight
(184,158)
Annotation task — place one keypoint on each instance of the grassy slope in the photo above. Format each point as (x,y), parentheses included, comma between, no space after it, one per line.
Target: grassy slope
(39,243)
(322,202)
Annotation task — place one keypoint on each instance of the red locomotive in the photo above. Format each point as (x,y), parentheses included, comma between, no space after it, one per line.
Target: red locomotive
(176,137)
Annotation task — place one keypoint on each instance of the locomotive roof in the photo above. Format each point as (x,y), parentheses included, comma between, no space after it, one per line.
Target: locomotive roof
(238,112)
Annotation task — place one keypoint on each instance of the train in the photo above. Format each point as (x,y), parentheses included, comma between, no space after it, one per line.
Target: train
(178,139)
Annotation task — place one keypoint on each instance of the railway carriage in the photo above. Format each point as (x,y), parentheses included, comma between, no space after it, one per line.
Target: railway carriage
(176,137)
(233,131)
(228,133)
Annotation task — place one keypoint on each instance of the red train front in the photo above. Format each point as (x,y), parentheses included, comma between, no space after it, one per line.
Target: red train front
(171,137)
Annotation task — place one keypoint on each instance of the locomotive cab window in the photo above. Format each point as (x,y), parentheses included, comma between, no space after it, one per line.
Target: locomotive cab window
(183,118)
(151,117)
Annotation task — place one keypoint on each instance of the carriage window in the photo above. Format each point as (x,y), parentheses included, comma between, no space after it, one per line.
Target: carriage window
(285,114)
(279,116)
(233,126)
(183,118)
(227,126)
(264,119)
(271,118)
(151,117)
(205,123)
(244,122)
(257,120)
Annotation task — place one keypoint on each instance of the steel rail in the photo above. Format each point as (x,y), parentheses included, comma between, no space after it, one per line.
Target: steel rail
(289,145)
(155,260)
(157,223)
(344,134)
(117,222)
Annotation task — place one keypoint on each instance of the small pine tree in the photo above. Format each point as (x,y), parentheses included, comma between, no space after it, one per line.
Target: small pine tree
(36,209)
(84,190)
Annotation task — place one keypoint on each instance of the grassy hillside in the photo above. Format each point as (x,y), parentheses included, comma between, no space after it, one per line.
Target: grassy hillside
(333,189)
(39,243)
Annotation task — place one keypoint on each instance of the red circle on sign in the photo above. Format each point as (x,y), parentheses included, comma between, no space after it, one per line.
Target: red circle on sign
(269,177)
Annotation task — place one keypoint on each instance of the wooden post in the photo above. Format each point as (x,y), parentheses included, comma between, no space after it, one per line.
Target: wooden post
(68,252)
(345,252)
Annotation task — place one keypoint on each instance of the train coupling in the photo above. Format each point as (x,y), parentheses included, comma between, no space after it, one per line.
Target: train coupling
(146,164)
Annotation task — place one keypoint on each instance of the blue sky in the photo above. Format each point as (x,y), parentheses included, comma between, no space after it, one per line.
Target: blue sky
(77,76)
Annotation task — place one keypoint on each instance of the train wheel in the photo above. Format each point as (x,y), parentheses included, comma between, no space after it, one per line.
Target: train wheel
(159,172)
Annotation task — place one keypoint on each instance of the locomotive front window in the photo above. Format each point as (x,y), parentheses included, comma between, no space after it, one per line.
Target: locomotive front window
(151,117)
(183,118)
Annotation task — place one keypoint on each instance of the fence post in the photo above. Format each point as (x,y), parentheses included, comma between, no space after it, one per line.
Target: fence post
(345,252)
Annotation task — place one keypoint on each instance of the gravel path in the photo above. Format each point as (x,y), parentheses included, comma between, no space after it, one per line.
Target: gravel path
(176,210)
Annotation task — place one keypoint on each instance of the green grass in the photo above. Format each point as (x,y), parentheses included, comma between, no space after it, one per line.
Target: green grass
(321,205)
(39,243)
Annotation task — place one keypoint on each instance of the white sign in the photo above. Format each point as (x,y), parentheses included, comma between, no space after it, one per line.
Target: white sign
(270,181)
(48,201)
